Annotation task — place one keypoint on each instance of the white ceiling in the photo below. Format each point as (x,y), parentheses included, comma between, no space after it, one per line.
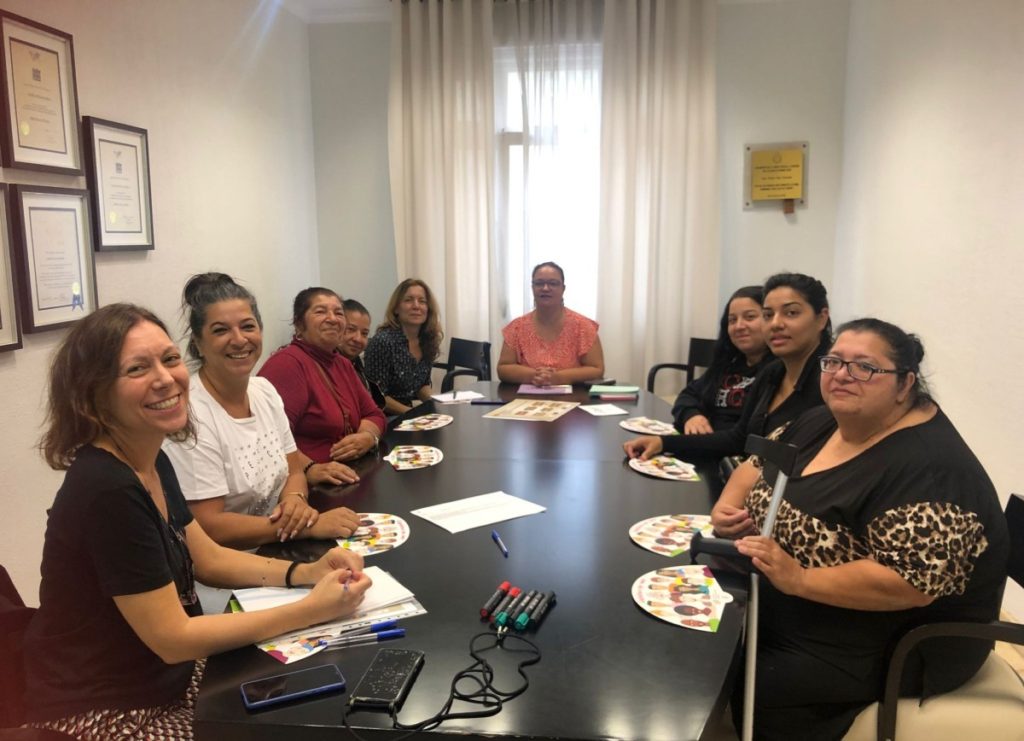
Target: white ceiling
(339,11)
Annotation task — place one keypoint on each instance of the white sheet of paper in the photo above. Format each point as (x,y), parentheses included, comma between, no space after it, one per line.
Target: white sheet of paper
(485,509)
(457,397)
(602,410)
(386,591)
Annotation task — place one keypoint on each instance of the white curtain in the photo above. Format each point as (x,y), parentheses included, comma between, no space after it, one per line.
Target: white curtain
(548,95)
(441,149)
(658,255)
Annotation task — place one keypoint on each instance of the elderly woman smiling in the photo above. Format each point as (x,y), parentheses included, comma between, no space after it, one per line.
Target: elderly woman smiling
(889,521)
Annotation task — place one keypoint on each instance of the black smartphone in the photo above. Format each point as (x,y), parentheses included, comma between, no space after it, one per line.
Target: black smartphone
(317,680)
(387,680)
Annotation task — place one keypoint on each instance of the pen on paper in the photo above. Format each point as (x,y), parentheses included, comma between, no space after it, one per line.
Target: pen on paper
(498,541)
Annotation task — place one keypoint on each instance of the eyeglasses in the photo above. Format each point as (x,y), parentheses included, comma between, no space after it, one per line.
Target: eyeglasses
(547,283)
(859,371)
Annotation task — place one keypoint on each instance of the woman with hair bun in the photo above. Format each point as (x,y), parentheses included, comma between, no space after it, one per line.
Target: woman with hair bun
(244,478)
(889,521)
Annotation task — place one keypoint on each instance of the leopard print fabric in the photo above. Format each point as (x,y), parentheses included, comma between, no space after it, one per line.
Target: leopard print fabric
(933,545)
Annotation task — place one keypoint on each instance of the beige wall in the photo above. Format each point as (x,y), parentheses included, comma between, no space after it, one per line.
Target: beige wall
(931,223)
(781,71)
(223,88)
(349,64)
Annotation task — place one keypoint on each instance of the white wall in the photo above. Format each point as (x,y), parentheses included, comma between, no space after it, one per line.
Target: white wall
(349,65)
(931,217)
(780,78)
(223,88)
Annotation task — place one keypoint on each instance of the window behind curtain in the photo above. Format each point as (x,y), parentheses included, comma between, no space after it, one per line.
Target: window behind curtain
(548,120)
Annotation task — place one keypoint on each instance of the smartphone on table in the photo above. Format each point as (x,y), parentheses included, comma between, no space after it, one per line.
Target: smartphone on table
(387,680)
(269,691)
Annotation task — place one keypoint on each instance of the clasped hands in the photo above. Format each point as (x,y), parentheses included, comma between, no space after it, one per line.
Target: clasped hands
(545,376)
(296,519)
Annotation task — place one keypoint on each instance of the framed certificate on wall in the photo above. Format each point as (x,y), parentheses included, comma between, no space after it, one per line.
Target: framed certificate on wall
(117,165)
(39,97)
(53,255)
(10,330)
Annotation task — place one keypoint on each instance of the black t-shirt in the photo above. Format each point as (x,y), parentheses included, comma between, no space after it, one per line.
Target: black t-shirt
(726,389)
(105,537)
(917,502)
(755,417)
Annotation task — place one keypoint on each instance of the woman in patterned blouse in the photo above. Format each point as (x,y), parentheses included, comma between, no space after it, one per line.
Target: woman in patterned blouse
(552,344)
(888,521)
(402,352)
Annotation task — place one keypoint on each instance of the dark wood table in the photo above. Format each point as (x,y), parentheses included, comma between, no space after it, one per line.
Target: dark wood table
(608,670)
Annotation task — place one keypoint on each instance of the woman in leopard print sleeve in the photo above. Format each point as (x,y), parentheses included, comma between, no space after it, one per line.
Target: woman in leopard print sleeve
(889,521)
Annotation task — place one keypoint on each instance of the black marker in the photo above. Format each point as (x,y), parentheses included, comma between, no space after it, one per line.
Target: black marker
(542,607)
(524,617)
(484,402)
(490,604)
(505,601)
(521,607)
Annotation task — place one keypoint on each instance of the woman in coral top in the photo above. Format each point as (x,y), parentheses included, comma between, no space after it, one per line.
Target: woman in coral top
(552,344)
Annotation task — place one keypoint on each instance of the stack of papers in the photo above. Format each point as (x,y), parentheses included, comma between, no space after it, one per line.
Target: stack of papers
(615,393)
(529,388)
(387,599)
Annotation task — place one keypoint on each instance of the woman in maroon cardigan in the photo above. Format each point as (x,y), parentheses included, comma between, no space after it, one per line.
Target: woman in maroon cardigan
(332,415)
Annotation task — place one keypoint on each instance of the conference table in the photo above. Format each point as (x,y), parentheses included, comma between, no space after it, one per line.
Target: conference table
(607,670)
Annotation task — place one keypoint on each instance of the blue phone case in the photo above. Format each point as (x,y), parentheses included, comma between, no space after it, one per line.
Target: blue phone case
(281,688)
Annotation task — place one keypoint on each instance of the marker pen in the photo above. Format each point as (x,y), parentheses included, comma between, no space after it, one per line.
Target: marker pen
(513,615)
(505,602)
(538,614)
(490,604)
(502,620)
(524,617)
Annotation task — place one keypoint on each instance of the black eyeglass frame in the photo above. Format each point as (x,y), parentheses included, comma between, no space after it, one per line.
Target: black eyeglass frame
(871,370)
(548,283)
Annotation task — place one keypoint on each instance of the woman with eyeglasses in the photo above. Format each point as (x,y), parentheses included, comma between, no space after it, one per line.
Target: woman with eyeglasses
(400,355)
(796,321)
(552,344)
(888,521)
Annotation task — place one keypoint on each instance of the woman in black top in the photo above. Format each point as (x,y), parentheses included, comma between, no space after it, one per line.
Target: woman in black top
(112,650)
(888,521)
(714,401)
(799,330)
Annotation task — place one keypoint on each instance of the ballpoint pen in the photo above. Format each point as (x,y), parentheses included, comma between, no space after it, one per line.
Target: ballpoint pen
(344,641)
(498,541)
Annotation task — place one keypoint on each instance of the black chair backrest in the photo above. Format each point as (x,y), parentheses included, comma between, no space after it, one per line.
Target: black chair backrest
(1015,524)
(702,352)
(470,354)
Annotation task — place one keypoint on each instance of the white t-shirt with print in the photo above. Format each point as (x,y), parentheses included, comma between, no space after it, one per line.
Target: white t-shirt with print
(242,460)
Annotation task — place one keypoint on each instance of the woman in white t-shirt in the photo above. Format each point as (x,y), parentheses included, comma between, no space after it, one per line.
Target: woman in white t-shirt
(245,480)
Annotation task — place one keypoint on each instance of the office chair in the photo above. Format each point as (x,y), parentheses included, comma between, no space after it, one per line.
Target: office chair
(701,351)
(465,358)
(988,706)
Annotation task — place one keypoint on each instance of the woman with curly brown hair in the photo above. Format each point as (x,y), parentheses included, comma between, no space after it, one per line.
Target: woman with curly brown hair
(402,352)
